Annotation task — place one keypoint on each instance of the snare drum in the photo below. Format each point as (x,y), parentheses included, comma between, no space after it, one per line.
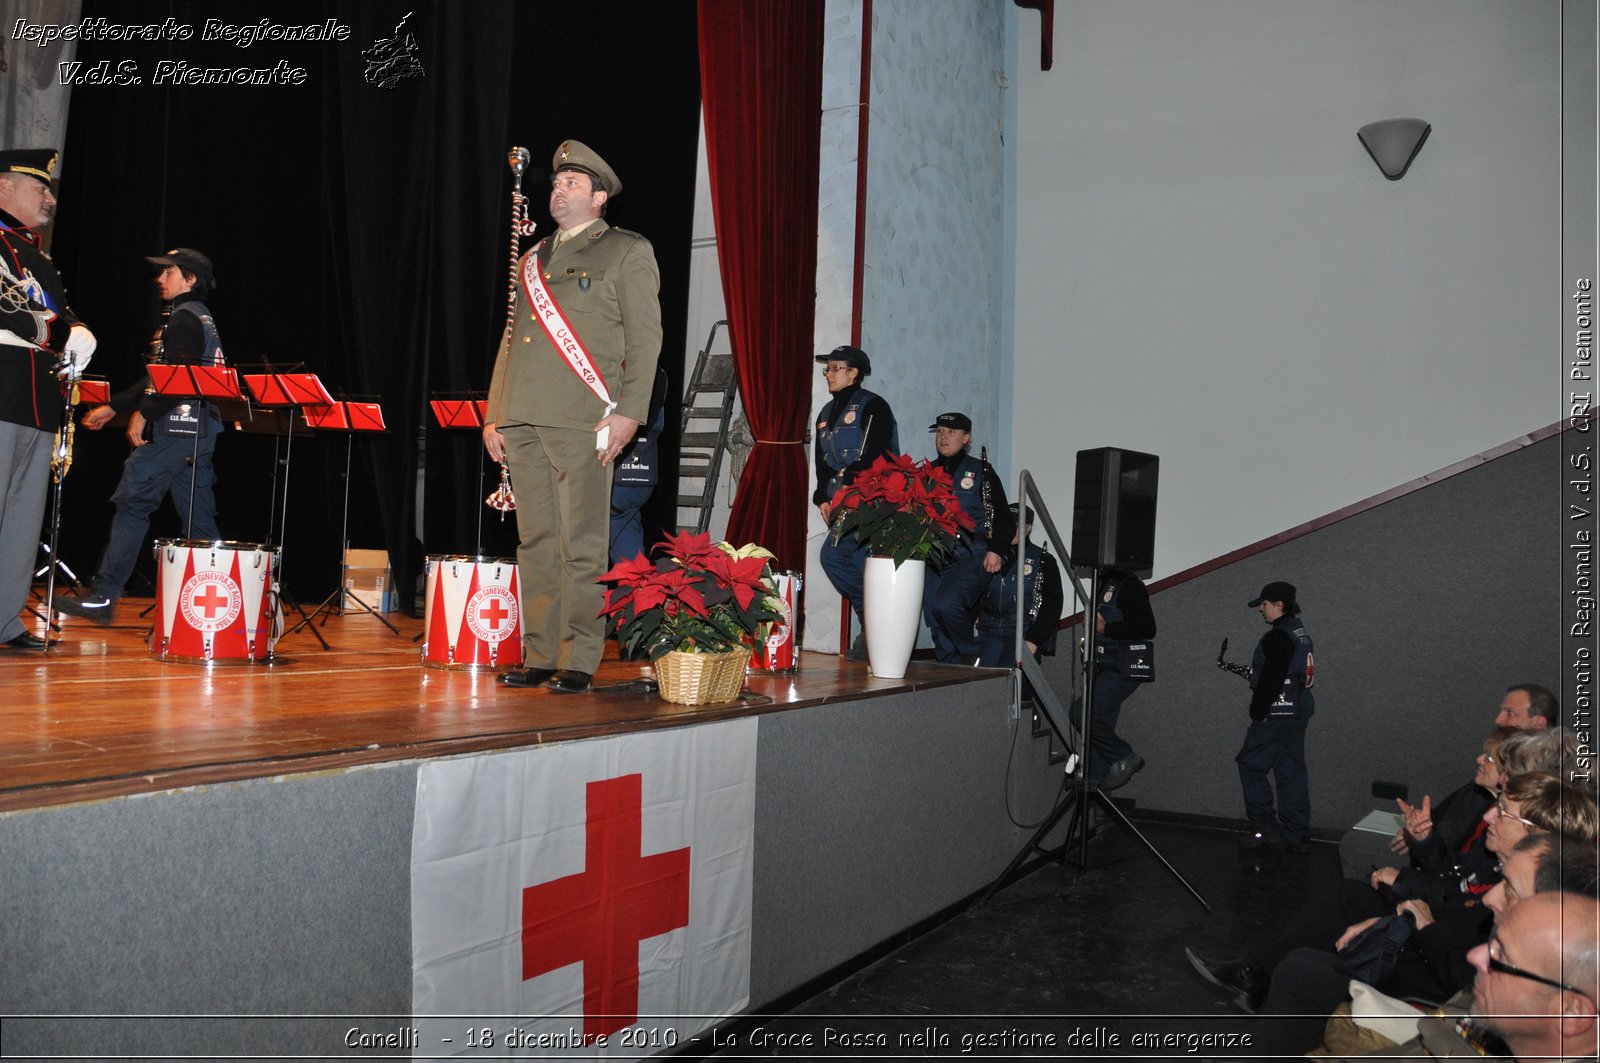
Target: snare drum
(216,602)
(780,652)
(472,612)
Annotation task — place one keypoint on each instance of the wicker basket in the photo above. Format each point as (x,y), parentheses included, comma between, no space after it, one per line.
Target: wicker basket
(702,678)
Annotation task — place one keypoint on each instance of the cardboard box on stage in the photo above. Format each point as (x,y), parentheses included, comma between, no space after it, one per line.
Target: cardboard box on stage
(366,575)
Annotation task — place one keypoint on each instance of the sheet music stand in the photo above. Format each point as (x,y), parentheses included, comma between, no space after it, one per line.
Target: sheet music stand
(209,382)
(350,418)
(291,390)
(461,413)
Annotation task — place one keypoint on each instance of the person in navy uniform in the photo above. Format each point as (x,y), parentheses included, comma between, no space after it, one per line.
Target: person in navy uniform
(173,439)
(638,472)
(854,429)
(1281,702)
(1124,624)
(40,337)
(1043,600)
(950,593)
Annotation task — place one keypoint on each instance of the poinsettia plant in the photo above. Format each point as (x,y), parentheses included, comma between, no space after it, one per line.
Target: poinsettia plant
(698,597)
(902,509)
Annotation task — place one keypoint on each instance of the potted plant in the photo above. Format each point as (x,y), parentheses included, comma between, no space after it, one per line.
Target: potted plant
(694,611)
(907,514)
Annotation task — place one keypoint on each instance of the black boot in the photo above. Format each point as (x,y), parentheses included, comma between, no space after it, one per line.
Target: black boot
(1246,980)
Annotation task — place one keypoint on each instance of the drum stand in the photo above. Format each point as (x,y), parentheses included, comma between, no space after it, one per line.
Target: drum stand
(342,593)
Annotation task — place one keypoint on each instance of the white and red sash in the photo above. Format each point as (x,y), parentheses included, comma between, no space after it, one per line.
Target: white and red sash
(565,338)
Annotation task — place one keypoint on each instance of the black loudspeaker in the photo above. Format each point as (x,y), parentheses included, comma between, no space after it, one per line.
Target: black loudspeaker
(1114,510)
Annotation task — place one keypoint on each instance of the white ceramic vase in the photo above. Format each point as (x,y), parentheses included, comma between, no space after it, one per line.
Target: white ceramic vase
(893,607)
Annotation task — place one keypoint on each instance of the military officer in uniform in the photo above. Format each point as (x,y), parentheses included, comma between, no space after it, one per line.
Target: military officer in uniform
(571,386)
(950,593)
(1281,675)
(39,337)
(855,429)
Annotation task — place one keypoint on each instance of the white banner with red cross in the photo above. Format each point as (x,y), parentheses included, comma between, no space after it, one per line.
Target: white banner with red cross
(583,898)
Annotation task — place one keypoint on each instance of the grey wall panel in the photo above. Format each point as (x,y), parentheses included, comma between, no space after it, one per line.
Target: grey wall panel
(263,897)
(873,815)
(280,897)
(1423,611)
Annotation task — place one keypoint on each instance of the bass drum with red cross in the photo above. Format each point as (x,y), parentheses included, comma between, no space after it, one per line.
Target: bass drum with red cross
(472,612)
(216,602)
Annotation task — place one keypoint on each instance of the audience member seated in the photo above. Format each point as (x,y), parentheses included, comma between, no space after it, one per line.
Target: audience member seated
(1539,863)
(1434,963)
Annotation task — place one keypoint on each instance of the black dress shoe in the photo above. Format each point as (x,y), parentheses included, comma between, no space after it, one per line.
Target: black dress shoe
(569,681)
(526,677)
(1247,980)
(29,641)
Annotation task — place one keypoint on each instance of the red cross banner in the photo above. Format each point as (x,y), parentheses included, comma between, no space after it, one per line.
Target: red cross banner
(584,898)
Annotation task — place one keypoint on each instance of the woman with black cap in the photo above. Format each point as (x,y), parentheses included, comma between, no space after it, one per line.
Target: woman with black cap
(1280,704)
(854,429)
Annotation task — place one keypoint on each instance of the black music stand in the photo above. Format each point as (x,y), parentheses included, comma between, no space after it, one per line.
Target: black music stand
(287,392)
(213,383)
(463,413)
(350,418)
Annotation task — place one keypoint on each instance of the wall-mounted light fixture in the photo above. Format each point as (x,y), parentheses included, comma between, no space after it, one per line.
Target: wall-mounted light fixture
(1393,143)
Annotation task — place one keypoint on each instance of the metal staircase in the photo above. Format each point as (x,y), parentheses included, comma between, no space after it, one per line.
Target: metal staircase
(707,412)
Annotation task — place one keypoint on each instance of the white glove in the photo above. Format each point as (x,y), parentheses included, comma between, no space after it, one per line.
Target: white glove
(80,348)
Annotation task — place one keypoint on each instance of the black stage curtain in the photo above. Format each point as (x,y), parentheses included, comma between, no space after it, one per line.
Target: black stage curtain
(361,230)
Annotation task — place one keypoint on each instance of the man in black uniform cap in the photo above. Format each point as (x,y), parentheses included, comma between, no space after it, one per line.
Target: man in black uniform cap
(173,439)
(950,592)
(40,337)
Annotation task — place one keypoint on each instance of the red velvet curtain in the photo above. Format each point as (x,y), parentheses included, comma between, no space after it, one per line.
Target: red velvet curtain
(761,83)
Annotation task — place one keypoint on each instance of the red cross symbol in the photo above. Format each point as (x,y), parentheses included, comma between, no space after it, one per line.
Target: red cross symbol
(210,598)
(493,613)
(599,916)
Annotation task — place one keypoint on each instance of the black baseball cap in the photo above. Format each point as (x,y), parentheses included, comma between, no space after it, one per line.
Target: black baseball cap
(954,419)
(189,260)
(854,357)
(1276,591)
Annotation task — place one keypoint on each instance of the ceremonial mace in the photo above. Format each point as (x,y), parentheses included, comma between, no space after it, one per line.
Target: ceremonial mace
(502,499)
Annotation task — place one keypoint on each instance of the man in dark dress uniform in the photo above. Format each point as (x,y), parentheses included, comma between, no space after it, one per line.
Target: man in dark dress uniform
(40,339)
(173,439)
(570,388)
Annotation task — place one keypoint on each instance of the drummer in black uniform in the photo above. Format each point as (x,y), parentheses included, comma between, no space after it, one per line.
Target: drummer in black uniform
(172,438)
(855,429)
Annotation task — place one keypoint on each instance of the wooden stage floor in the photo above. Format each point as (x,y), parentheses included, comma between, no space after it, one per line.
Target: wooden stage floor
(99,718)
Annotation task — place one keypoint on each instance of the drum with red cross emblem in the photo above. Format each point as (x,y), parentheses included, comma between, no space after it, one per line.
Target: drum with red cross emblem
(472,612)
(216,602)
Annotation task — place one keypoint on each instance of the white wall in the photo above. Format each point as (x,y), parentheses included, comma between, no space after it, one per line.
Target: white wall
(1210,268)
(932,300)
